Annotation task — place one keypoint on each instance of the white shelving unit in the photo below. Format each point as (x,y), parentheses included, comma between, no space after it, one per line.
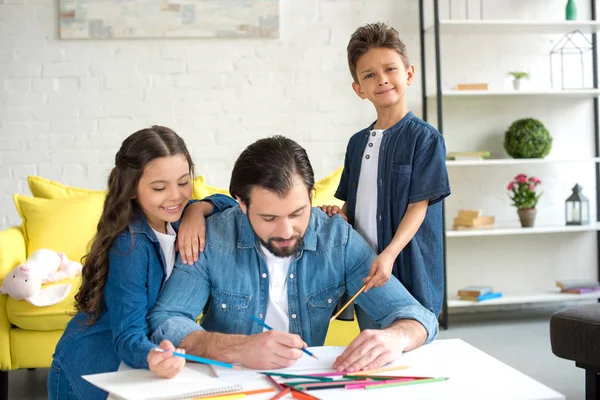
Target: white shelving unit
(517,161)
(582,93)
(511,26)
(517,230)
(524,298)
(443,97)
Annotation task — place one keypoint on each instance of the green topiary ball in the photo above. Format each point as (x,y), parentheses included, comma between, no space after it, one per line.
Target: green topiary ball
(527,138)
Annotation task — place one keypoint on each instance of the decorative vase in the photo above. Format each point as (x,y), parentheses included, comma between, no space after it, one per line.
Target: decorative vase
(516,84)
(527,216)
(571,10)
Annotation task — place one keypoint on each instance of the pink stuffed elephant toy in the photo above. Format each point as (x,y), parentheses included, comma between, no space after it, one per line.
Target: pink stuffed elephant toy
(43,266)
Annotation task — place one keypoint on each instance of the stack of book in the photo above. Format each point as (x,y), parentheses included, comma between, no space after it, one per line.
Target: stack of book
(478,293)
(578,286)
(472,219)
(467,155)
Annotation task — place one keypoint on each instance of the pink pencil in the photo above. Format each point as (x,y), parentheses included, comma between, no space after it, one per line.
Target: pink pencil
(361,385)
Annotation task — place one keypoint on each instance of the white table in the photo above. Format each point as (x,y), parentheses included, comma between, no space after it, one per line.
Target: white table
(473,375)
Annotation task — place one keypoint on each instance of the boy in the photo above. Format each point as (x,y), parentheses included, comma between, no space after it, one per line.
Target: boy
(394,174)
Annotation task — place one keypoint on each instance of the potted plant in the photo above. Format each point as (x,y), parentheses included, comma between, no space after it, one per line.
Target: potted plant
(522,193)
(517,76)
(527,138)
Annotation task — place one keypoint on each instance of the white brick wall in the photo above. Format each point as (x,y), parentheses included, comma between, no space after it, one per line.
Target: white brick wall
(65,106)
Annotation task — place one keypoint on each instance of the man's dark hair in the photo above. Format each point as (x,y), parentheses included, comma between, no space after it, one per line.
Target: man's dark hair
(271,164)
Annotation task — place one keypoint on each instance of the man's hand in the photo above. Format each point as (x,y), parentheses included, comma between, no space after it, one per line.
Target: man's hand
(272,349)
(192,231)
(334,210)
(381,270)
(371,349)
(165,364)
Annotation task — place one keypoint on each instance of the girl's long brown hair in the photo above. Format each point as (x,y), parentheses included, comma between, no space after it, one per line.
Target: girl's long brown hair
(135,153)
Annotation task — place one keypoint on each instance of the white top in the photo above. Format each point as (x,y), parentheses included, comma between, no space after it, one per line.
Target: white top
(277,307)
(167,244)
(365,215)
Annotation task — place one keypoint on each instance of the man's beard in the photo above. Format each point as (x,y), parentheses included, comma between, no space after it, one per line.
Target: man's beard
(280,252)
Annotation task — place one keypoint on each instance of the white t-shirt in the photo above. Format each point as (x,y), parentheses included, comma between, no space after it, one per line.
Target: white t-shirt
(167,244)
(365,215)
(277,308)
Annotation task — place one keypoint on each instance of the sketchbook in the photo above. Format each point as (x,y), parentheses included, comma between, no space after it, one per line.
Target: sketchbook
(326,355)
(141,384)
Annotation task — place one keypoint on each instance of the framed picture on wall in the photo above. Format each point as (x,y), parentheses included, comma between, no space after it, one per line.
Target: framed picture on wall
(108,19)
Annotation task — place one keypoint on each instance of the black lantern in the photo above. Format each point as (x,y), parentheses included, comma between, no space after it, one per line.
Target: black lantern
(577,208)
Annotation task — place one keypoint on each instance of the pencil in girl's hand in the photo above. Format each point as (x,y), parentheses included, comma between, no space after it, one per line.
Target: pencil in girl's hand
(200,359)
(264,325)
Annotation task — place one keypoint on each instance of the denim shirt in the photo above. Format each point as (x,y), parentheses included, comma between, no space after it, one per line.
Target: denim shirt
(230,283)
(412,168)
(136,275)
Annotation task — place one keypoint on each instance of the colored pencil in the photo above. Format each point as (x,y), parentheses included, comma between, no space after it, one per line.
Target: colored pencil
(264,325)
(366,372)
(299,394)
(374,371)
(281,394)
(274,382)
(288,376)
(349,301)
(224,397)
(384,377)
(200,359)
(415,382)
(363,384)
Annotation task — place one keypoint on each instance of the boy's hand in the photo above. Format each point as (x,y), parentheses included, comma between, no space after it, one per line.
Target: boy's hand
(381,270)
(192,231)
(333,210)
(164,363)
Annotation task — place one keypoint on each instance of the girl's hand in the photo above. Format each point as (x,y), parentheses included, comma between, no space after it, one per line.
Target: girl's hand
(192,231)
(164,363)
(334,210)
(381,270)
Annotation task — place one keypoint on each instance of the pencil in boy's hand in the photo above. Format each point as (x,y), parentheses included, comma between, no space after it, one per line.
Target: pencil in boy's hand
(201,359)
(264,325)
(348,303)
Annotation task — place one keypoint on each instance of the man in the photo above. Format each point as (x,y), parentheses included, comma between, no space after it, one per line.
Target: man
(277,258)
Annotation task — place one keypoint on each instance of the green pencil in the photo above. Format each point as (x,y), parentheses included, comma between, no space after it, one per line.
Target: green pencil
(415,382)
(314,378)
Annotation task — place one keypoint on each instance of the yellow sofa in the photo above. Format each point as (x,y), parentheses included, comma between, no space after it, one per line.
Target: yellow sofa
(64,218)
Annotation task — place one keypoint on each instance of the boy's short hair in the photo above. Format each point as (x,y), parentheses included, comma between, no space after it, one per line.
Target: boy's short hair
(373,35)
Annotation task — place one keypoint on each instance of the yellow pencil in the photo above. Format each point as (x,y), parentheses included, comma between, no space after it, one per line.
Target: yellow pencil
(349,301)
(223,397)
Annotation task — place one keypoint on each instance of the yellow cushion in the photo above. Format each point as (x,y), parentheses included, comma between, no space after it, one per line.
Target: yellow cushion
(341,333)
(33,318)
(202,190)
(47,189)
(325,190)
(32,349)
(66,225)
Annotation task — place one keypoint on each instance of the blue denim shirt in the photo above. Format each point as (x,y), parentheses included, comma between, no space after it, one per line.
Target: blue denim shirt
(412,168)
(136,275)
(230,282)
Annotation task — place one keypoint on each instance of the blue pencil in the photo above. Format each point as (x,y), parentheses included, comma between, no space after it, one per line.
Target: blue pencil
(201,359)
(262,323)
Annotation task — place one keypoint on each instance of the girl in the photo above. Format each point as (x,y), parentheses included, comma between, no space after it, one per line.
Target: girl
(131,256)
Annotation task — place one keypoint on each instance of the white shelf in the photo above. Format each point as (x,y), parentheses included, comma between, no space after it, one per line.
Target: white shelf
(571,93)
(543,297)
(517,161)
(595,226)
(515,26)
